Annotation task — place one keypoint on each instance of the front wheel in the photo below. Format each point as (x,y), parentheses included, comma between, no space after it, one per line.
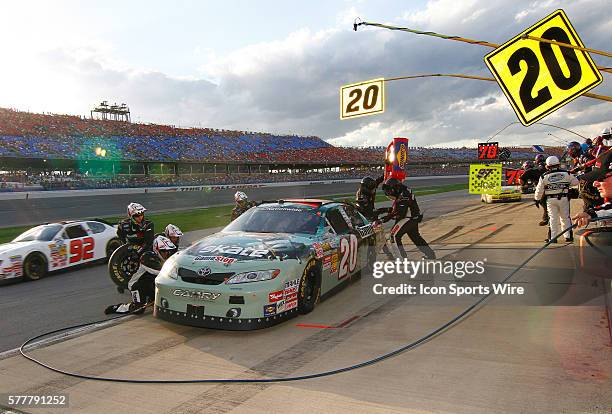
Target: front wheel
(310,287)
(35,266)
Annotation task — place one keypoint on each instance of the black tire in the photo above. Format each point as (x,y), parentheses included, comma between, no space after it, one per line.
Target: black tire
(35,266)
(111,246)
(310,287)
(122,264)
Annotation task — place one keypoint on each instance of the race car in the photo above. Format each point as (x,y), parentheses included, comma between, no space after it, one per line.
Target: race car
(275,261)
(508,193)
(55,246)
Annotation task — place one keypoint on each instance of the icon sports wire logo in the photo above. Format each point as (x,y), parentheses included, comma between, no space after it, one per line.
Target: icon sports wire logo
(412,268)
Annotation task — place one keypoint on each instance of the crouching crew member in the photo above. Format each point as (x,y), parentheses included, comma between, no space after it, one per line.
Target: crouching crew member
(366,197)
(173,233)
(142,283)
(242,204)
(135,230)
(555,186)
(404,202)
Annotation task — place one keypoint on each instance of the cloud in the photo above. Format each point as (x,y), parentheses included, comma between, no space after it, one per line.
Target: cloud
(291,84)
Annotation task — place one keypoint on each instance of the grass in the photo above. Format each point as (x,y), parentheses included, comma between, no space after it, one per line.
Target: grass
(208,217)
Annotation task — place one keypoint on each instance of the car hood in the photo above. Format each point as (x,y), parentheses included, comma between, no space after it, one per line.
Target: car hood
(7,248)
(243,246)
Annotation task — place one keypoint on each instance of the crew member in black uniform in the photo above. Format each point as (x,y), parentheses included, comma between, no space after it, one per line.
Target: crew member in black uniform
(136,230)
(173,233)
(142,283)
(242,204)
(580,162)
(366,197)
(404,202)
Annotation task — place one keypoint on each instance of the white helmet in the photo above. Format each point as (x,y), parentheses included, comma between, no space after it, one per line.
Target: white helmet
(552,161)
(172,231)
(163,244)
(133,209)
(240,196)
(606,133)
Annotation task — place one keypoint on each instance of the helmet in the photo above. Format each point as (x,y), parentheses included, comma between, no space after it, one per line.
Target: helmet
(528,165)
(540,159)
(589,142)
(134,209)
(552,161)
(574,149)
(172,231)
(368,184)
(240,196)
(606,133)
(392,187)
(162,245)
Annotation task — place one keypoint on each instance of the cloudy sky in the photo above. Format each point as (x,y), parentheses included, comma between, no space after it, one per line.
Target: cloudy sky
(277,66)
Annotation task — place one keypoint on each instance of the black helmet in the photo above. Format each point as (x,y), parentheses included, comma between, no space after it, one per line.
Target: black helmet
(574,149)
(392,187)
(540,159)
(368,184)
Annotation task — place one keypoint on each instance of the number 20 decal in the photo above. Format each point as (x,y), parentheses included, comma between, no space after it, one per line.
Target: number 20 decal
(81,249)
(348,249)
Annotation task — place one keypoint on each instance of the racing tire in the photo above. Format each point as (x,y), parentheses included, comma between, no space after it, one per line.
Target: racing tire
(310,287)
(122,264)
(111,246)
(35,266)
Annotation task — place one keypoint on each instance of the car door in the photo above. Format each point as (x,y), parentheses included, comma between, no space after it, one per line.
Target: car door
(80,243)
(101,235)
(343,261)
(364,231)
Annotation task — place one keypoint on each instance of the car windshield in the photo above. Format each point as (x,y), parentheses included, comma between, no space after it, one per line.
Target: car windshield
(277,219)
(41,233)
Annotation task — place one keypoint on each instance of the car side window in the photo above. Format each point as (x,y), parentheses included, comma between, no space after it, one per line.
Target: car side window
(356,219)
(96,227)
(75,231)
(337,222)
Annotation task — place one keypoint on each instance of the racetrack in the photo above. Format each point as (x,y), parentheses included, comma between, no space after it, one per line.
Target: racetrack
(17,212)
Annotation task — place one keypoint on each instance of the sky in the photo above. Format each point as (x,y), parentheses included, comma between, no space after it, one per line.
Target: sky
(277,66)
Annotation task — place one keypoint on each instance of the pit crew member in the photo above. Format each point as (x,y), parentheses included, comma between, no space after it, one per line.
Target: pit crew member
(135,230)
(142,283)
(601,177)
(173,233)
(581,160)
(555,185)
(366,197)
(242,204)
(404,202)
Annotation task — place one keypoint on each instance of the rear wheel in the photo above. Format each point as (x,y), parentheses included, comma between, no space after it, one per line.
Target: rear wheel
(35,266)
(310,287)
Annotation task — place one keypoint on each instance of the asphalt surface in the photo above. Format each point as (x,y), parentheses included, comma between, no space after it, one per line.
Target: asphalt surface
(40,210)
(77,296)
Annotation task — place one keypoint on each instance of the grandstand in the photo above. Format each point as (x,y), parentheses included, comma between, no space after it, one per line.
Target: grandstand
(68,150)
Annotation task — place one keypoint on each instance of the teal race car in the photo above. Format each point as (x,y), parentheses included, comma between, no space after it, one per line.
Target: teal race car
(275,261)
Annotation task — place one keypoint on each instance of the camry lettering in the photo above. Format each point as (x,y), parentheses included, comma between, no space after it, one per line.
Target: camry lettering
(196,294)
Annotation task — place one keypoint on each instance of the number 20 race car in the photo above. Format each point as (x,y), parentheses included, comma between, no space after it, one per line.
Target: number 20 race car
(56,246)
(273,262)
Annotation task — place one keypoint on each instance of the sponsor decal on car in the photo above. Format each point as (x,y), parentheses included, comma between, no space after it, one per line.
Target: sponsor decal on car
(290,296)
(280,306)
(15,267)
(327,262)
(275,296)
(269,310)
(334,263)
(318,248)
(237,250)
(59,253)
(290,304)
(220,259)
(291,286)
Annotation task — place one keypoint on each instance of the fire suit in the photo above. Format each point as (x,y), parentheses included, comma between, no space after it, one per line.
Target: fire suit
(555,185)
(137,234)
(241,208)
(141,285)
(404,224)
(365,201)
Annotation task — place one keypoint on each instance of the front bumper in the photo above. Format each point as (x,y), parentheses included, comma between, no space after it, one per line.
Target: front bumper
(197,317)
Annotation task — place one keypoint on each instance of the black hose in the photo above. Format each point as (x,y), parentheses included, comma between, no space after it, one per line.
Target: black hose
(363,364)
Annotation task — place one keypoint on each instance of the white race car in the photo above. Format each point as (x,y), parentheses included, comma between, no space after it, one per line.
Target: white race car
(55,246)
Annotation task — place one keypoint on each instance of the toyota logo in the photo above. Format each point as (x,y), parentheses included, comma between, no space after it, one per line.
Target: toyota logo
(205,271)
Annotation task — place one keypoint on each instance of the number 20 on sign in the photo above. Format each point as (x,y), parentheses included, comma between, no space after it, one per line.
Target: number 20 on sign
(363,98)
(539,77)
